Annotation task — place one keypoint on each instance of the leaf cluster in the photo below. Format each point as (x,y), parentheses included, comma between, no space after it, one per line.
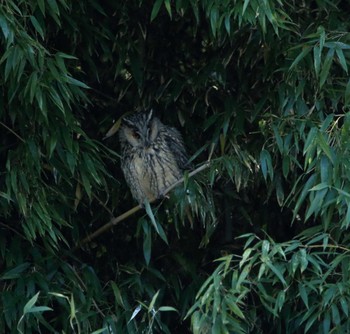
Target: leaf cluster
(258,88)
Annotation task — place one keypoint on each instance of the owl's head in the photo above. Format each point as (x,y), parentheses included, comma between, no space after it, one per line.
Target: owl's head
(140,129)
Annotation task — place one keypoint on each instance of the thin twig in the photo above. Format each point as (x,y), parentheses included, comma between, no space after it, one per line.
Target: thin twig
(13,230)
(327,246)
(116,220)
(13,132)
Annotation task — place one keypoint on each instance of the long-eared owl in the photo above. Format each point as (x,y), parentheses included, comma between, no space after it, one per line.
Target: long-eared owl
(153,155)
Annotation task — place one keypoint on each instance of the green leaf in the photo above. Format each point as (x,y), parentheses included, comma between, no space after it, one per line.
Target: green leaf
(117,294)
(168,7)
(76,82)
(347,94)
(345,306)
(278,138)
(151,215)
(38,309)
(322,37)
(86,184)
(102,330)
(277,272)
(265,248)
(337,45)
(65,56)
(227,23)
(37,26)
(325,168)
(317,59)
(319,186)
(279,190)
(245,5)
(235,309)
(326,323)
(155,9)
(4,26)
(335,315)
(147,242)
(316,203)
(214,17)
(243,275)
(305,51)
(28,306)
(326,67)
(158,227)
(303,295)
(135,313)
(266,164)
(311,321)
(15,272)
(245,256)
(303,260)
(41,4)
(167,309)
(154,299)
(321,141)
(285,166)
(54,7)
(310,139)
(341,59)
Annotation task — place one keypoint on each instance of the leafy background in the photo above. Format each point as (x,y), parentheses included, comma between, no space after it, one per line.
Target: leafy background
(257,242)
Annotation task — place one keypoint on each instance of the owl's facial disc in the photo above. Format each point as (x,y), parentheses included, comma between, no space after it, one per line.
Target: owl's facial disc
(141,130)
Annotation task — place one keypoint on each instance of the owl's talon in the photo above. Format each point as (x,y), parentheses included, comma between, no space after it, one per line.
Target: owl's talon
(163,196)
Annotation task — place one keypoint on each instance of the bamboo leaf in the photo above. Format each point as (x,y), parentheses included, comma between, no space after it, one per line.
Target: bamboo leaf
(305,51)
(326,67)
(28,306)
(266,164)
(155,9)
(15,272)
(168,7)
(37,26)
(245,5)
(153,301)
(147,242)
(341,59)
(76,82)
(4,26)
(317,59)
(321,141)
(167,309)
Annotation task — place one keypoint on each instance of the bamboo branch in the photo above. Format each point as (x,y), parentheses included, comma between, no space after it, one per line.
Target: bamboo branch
(114,221)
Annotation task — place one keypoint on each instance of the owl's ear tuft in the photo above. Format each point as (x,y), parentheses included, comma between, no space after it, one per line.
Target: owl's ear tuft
(150,116)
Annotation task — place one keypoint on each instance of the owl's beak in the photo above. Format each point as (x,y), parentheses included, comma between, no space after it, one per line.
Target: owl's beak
(147,143)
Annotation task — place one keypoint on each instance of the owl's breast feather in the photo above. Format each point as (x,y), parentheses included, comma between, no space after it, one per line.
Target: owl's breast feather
(150,151)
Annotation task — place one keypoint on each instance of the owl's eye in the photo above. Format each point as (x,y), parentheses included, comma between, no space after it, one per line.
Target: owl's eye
(135,134)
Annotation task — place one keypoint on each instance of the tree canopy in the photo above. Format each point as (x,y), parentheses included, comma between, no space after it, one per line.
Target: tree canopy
(255,241)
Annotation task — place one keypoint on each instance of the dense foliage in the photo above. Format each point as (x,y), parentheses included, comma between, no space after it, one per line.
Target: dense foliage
(258,242)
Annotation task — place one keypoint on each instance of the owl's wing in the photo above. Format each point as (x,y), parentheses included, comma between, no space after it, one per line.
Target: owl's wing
(176,146)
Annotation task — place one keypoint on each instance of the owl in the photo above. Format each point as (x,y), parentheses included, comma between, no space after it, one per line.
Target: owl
(153,155)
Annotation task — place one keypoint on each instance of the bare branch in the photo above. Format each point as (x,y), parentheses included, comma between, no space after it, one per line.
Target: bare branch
(114,221)
(13,132)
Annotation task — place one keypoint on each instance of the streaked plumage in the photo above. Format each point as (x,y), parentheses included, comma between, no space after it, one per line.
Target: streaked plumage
(153,155)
